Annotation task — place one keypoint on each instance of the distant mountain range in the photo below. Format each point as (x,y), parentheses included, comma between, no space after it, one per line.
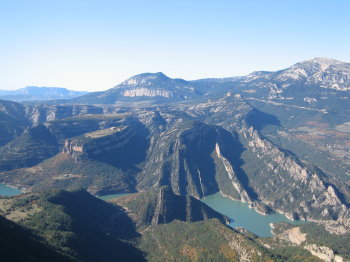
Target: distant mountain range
(35,93)
(310,83)
(305,82)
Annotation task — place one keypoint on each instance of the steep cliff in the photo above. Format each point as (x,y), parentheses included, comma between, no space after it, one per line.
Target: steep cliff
(303,191)
(98,142)
(162,206)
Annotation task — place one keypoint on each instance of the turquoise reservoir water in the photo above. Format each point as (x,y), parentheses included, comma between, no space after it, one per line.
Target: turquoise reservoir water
(243,216)
(8,191)
(240,214)
(107,197)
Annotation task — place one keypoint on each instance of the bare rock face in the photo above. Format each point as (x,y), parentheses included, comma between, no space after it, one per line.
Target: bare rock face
(195,158)
(97,142)
(146,92)
(44,113)
(162,206)
(18,117)
(324,253)
(323,72)
(305,192)
(335,76)
(203,158)
(155,86)
(244,196)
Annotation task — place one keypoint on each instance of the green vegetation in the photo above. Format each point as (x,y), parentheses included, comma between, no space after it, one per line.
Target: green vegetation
(200,241)
(33,146)
(292,254)
(83,227)
(170,145)
(79,125)
(90,117)
(316,234)
(12,121)
(63,172)
(104,132)
(19,244)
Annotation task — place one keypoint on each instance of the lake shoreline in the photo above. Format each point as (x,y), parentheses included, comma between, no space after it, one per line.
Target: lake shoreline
(244,215)
(9,190)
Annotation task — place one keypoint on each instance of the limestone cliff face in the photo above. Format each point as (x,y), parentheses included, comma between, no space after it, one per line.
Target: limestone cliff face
(198,159)
(285,184)
(98,142)
(146,92)
(201,159)
(18,117)
(324,253)
(318,72)
(43,113)
(223,154)
(147,86)
(162,206)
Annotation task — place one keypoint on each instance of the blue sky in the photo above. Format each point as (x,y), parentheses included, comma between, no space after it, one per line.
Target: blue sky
(94,45)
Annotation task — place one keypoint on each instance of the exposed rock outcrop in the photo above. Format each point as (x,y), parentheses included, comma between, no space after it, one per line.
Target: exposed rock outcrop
(306,192)
(97,142)
(324,253)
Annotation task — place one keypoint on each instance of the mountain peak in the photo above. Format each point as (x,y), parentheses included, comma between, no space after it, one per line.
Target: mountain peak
(151,75)
(143,79)
(158,74)
(316,64)
(319,62)
(307,68)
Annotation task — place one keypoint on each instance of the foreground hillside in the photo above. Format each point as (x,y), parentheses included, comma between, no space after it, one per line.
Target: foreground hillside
(19,244)
(81,227)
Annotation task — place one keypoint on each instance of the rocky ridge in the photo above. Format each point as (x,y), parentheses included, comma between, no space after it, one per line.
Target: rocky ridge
(162,206)
(96,142)
(323,72)
(198,150)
